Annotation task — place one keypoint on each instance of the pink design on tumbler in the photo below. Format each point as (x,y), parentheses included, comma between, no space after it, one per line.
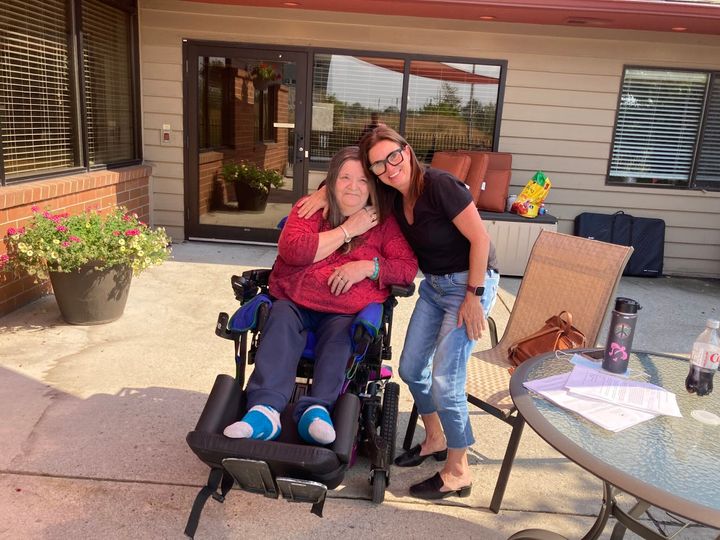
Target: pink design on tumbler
(617,353)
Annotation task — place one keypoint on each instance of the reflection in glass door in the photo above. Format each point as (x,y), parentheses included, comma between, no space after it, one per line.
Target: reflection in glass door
(245,152)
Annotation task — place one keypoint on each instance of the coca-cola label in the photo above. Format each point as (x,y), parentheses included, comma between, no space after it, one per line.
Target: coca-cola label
(705,355)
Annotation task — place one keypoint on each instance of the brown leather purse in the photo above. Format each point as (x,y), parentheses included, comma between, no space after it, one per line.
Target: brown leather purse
(557,334)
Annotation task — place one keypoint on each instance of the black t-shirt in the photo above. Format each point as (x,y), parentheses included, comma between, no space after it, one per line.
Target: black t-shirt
(440,247)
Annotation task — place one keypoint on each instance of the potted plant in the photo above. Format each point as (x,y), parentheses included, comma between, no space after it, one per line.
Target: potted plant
(263,75)
(252,184)
(90,258)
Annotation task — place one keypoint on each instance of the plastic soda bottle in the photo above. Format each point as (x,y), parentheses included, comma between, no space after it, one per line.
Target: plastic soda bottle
(704,360)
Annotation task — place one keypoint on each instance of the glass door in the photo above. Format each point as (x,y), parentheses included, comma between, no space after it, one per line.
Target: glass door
(245,155)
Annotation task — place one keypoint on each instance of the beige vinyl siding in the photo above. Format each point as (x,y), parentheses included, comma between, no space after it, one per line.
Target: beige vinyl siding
(558,112)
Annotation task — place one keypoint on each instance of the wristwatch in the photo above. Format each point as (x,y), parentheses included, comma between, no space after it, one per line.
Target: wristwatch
(477,291)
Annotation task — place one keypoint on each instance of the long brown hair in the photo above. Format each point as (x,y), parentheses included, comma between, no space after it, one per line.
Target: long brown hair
(386,193)
(335,215)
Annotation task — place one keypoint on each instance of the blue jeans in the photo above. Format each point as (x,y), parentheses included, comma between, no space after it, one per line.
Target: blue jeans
(434,358)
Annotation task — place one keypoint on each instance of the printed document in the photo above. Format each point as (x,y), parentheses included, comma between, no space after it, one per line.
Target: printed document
(606,415)
(642,396)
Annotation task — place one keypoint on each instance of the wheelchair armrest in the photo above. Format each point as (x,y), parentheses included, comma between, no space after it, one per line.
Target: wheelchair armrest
(261,276)
(345,419)
(246,286)
(250,316)
(222,406)
(403,292)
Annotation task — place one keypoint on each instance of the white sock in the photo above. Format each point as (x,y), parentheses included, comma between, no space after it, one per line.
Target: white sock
(321,431)
(261,422)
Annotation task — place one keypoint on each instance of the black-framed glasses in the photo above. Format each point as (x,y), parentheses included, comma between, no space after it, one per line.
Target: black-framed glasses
(393,158)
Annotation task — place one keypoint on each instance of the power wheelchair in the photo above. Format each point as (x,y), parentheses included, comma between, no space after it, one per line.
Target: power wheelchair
(364,416)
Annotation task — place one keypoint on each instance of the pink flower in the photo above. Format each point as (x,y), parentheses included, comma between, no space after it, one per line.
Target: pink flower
(116,233)
(65,244)
(126,218)
(74,239)
(21,230)
(11,231)
(34,209)
(46,214)
(61,228)
(132,232)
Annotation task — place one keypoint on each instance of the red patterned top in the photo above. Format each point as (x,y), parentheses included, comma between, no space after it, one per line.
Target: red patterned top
(295,277)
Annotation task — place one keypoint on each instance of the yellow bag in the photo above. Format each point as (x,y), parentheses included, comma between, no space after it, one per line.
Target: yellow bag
(531,197)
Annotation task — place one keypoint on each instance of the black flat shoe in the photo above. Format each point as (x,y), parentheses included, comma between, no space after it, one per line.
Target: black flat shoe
(430,489)
(412,457)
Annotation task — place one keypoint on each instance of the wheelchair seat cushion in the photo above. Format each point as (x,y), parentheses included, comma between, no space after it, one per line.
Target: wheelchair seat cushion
(246,316)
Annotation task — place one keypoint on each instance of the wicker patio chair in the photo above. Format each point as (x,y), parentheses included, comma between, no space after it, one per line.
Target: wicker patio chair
(563,273)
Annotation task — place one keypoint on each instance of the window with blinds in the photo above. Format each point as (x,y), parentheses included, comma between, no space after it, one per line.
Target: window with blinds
(37,117)
(41,94)
(708,166)
(659,123)
(107,71)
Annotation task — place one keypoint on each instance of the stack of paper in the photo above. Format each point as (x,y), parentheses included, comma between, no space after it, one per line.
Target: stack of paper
(612,402)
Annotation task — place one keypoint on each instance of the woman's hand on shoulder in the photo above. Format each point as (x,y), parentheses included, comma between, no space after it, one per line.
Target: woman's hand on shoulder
(361,221)
(313,203)
(471,314)
(347,275)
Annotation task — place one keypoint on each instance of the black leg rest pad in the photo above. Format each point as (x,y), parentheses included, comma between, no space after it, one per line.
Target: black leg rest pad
(222,406)
(287,456)
(346,417)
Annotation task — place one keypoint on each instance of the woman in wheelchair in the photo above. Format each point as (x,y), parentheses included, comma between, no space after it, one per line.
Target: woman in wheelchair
(327,270)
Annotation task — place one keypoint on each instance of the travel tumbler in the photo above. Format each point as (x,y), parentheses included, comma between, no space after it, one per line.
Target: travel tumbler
(620,335)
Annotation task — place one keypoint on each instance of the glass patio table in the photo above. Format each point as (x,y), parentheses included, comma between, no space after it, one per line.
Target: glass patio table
(667,462)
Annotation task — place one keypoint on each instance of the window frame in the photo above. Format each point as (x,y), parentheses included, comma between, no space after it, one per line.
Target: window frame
(407,58)
(227,112)
(698,139)
(78,99)
(266,99)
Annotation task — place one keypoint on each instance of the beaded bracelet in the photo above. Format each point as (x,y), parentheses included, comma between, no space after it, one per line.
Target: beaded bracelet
(376,271)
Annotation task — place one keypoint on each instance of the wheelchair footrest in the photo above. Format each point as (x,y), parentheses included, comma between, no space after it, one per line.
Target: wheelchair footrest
(252,475)
(295,490)
(255,476)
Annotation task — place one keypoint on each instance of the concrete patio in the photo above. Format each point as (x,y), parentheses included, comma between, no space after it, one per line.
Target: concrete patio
(92,442)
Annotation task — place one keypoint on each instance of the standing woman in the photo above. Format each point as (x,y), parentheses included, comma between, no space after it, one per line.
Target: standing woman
(438,218)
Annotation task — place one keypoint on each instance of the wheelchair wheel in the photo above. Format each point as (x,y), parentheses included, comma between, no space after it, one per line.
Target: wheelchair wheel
(388,426)
(379,484)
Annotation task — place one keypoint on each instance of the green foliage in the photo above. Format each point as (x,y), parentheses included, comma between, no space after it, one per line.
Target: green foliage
(265,72)
(252,175)
(64,243)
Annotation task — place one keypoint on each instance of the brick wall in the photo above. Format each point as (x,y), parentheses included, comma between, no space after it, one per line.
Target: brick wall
(99,190)
(210,164)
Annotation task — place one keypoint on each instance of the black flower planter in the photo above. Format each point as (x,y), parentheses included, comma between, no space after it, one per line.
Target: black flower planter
(250,199)
(88,296)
